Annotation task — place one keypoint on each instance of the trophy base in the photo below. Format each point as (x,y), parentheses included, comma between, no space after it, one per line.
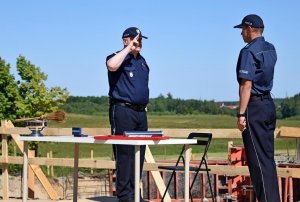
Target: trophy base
(36,133)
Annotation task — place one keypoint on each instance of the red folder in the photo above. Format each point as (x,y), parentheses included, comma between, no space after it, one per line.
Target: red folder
(124,137)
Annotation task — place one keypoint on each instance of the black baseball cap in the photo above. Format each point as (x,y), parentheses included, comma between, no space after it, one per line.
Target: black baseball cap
(133,32)
(251,20)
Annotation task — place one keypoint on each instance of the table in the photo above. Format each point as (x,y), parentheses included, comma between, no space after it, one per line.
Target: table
(78,140)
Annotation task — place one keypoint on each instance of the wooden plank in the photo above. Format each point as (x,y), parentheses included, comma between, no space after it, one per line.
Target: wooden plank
(68,162)
(44,181)
(108,164)
(160,184)
(288,132)
(31,154)
(4,163)
(243,170)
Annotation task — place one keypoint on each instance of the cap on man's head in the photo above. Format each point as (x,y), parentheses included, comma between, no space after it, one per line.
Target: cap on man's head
(132,32)
(251,20)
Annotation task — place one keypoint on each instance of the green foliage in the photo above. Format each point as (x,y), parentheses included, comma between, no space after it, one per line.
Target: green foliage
(167,105)
(180,106)
(9,94)
(28,97)
(90,105)
(164,105)
(37,99)
(290,106)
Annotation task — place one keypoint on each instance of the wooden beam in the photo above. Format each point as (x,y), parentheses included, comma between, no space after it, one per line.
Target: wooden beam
(160,184)
(44,181)
(288,132)
(4,163)
(108,164)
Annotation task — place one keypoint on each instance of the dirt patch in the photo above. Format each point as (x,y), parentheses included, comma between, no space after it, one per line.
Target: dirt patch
(88,187)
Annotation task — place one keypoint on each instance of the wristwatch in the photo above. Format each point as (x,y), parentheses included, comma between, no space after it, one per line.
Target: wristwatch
(241,115)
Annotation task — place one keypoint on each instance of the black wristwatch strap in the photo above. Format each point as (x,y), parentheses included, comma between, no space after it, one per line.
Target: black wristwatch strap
(241,115)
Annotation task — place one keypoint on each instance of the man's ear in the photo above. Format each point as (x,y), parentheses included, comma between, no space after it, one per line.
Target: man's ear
(125,41)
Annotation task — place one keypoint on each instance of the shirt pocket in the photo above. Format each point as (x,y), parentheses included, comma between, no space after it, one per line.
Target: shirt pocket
(130,72)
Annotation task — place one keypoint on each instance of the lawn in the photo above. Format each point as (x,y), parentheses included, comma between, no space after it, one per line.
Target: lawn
(218,146)
(165,121)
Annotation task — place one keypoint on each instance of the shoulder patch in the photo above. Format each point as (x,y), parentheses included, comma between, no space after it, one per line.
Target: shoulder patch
(243,71)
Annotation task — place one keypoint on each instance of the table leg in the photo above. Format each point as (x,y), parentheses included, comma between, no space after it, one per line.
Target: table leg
(75,175)
(137,173)
(25,171)
(187,155)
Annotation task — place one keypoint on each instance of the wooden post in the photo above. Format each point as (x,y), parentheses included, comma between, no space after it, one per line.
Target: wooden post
(15,148)
(51,167)
(31,154)
(48,167)
(298,149)
(92,157)
(156,175)
(4,164)
(75,182)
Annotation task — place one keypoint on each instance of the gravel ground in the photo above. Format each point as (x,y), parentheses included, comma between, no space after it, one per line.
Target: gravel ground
(89,189)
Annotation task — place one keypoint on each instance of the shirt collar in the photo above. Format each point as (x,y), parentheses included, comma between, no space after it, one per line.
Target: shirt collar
(260,38)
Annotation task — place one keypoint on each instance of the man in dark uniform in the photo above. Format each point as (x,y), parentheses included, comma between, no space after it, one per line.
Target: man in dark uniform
(257,115)
(128,76)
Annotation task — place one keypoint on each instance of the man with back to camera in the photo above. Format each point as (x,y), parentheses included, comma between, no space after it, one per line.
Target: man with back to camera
(128,76)
(257,115)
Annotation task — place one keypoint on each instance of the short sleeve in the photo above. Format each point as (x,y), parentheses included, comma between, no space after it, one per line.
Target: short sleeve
(246,65)
(110,56)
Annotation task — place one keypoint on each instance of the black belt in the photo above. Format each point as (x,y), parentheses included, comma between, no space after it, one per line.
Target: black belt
(259,97)
(135,107)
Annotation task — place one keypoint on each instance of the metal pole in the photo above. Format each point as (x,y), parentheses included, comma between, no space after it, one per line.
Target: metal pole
(137,173)
(25,171)
(187,154)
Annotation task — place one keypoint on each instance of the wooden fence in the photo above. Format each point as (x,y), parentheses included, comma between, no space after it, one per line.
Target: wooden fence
(7,128)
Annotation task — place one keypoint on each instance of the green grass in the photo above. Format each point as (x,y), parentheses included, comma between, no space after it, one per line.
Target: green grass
(218,146)
(165,121)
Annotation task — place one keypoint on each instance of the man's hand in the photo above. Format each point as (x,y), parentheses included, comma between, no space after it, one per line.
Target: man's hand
(241,123)
(134,43)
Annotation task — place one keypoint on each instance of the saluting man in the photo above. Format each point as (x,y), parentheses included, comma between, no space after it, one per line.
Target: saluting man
(128,76)
(257,115)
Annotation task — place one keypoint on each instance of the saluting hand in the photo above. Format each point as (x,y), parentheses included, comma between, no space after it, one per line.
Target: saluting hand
(134,43)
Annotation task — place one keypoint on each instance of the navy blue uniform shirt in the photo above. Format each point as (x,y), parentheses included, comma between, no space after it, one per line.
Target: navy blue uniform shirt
(130,82)
(256,63)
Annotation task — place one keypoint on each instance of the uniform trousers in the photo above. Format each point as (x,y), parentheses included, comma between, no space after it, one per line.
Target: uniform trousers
(122,119)
(258,140)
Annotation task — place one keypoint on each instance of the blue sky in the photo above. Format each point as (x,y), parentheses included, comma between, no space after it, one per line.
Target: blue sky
(192,47)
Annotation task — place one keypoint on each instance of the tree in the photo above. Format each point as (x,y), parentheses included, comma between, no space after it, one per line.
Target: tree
(36,98)
(9,94)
